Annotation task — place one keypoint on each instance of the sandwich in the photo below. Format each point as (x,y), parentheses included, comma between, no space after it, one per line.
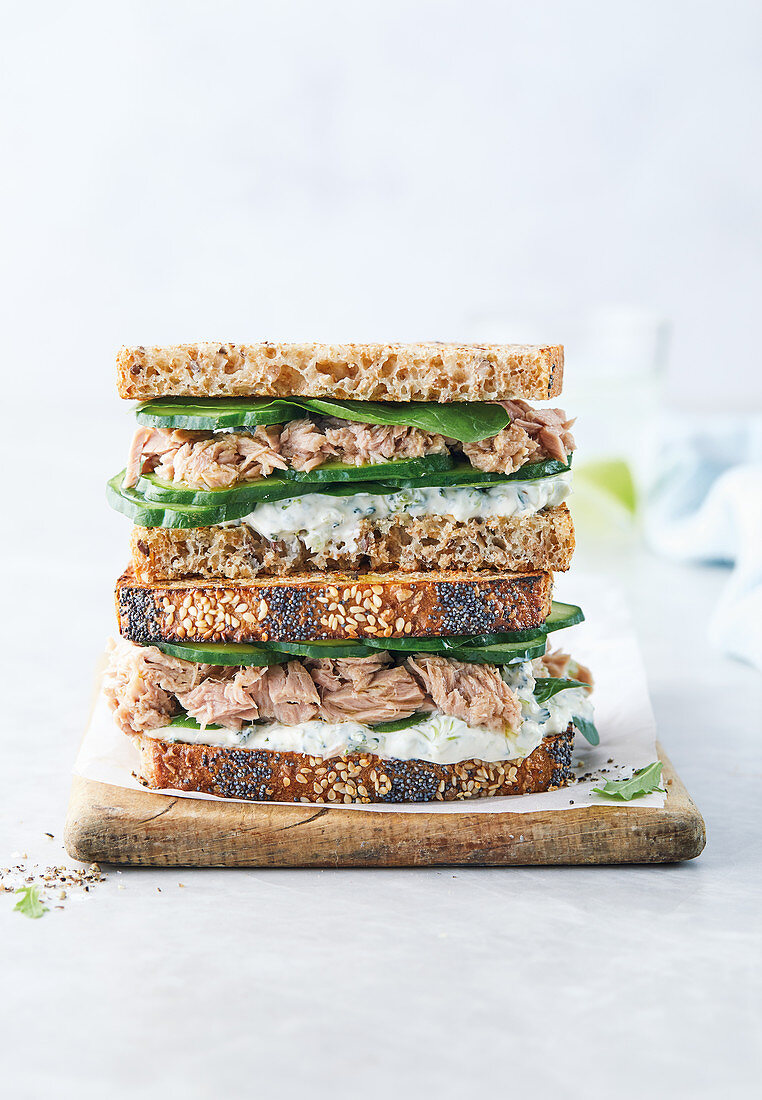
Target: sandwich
(340,585)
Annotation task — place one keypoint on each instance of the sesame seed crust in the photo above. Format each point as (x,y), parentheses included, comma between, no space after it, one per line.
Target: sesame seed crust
(332,605)
(265,776)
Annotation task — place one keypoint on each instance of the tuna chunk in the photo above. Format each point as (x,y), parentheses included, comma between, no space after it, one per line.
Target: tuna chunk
(221,460)
(289,696)
(204,460)
(559,664)
(285,693)
(365,689)
(141,684)
(475,693)
(548,429)
(304,445)
(359,444)
(532,435)
(502,453)
(149,447)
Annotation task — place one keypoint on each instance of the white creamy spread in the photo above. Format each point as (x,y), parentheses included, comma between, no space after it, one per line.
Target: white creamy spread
(322,520)
(437,737)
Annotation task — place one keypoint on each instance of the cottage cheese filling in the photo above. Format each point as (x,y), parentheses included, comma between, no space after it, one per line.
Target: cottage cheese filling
(323,521)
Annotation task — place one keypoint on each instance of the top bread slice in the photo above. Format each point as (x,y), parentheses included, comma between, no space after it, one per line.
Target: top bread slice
(360,372)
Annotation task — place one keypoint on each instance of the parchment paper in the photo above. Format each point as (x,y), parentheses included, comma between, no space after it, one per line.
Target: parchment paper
(623,715)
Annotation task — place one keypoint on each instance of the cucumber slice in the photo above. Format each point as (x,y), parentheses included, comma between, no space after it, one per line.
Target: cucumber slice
(264,490)
(195,414)
(400,724)
(223,653)
(273,653)
(500,654)
(148,513)
(466,476)
(562,615)
(320,649)
(405,468)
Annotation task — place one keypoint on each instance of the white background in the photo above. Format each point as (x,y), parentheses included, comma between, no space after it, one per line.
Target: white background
(233,171)
(386,169)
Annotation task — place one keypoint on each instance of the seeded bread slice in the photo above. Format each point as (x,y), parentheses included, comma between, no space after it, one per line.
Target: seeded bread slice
(377,372)
(332,605)
(399,543)
(261,775)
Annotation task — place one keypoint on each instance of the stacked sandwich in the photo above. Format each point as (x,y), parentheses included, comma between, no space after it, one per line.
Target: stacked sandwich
(341,579)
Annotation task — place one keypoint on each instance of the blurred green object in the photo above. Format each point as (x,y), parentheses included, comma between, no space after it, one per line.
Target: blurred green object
(610,476)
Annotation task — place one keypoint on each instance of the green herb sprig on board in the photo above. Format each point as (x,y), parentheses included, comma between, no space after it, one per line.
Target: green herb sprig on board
(644,781)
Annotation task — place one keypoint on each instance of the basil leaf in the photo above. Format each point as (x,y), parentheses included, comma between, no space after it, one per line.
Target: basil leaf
(587,729)
(29,904)
(548,686)
(644,781)
(466,421)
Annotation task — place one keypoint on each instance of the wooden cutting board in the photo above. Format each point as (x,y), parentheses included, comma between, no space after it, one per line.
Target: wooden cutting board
(108,824)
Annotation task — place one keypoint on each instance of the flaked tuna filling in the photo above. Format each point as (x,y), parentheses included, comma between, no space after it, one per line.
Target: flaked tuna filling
(145,688)
(215,460)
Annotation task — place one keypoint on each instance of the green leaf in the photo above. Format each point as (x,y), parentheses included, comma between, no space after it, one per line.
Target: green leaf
(644,781)
(400,724)
(548,686)
(29,903)
(466,421)
(185,722)
(587,729)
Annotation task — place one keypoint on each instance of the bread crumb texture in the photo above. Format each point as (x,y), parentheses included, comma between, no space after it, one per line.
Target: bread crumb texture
(369,372)
(408,544)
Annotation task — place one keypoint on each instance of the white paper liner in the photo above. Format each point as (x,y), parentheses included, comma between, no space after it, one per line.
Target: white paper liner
(623,715)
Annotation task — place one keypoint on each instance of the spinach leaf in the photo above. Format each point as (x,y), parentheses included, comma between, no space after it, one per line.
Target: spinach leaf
(644,781)
(587,729)
(466,421)
(548,686)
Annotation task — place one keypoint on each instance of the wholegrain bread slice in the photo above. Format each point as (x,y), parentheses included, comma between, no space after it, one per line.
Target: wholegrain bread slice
(376,372)
(332,605)
(398,543)
(266,776)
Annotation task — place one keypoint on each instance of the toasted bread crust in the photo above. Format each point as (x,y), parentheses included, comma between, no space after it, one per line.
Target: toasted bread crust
(333,605)
(264,776)
(377,372)
(543,541)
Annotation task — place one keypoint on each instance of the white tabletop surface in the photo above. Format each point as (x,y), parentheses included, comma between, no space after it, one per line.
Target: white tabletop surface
(572,982)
